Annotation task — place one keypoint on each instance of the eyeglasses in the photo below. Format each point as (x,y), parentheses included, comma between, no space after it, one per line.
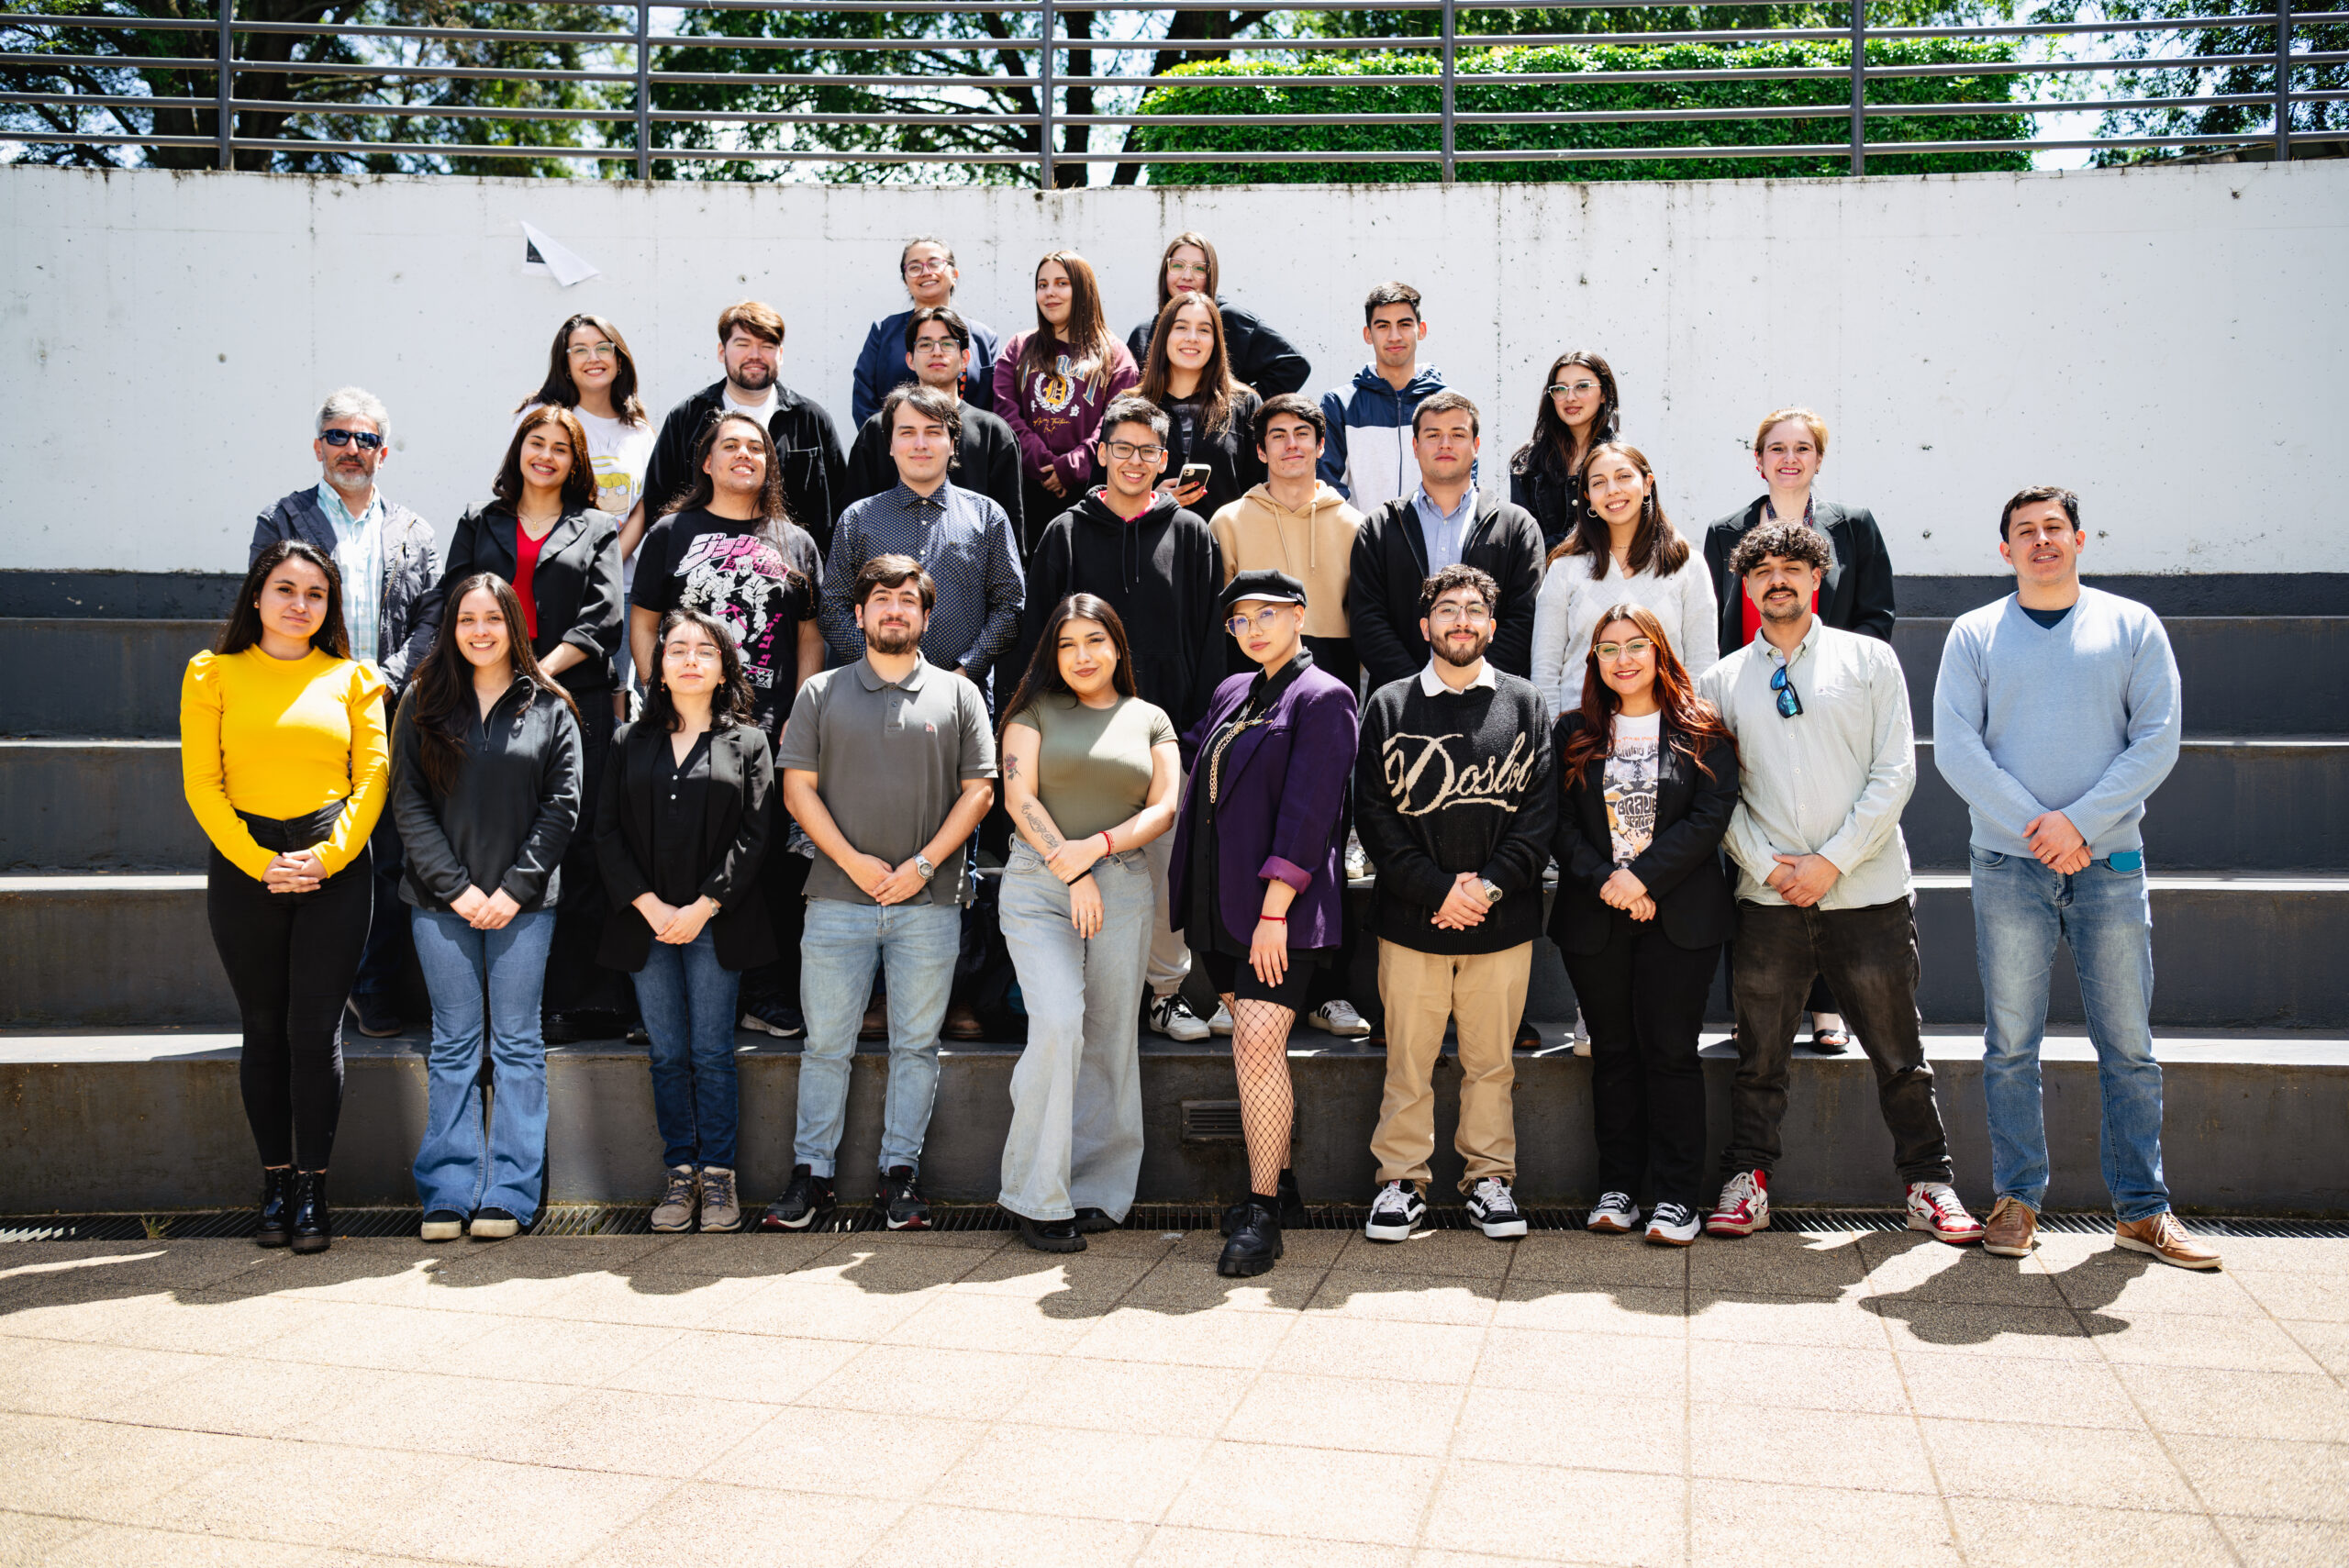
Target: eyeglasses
(1264,619)
(1574,389)
(368,440)
(1789,702)
(593,350)
(1187,269)
(931,345)
(1637,648)
(1126,451)
(923,269)
(1454,614)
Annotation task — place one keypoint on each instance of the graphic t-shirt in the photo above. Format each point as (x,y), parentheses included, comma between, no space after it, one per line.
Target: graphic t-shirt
(723,568)
(1631,785)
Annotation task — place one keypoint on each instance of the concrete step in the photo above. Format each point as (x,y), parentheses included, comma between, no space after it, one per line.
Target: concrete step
(2229,952)
(153,1121)
(95,806)
(2266,676)
(111,678)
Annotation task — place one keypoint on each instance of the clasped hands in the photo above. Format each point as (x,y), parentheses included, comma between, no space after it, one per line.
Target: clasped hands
(298,872)
(883,883)
(670,924)
(1627,893)
(2058,844)
(1802,880)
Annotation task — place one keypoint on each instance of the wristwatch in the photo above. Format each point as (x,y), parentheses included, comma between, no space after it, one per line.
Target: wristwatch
(1492,891)
(921,864)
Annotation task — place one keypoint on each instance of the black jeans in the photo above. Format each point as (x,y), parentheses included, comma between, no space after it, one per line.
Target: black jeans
(291,958)
(1869,957)
(1644,999)
(575,982)
(783,883)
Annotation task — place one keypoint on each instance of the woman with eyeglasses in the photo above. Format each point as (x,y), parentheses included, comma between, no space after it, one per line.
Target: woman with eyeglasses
(1258,879)
(1650,779)
(1578,411)
(1089,774)
(1052,386)
(486,789)
(281,755)
(591,373)
(1261,359)
(1211,457)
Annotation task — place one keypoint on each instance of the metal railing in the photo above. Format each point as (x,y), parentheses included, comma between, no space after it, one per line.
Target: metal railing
(1042,61)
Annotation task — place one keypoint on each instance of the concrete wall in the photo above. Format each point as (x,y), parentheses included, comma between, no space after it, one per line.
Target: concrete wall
(2167,341)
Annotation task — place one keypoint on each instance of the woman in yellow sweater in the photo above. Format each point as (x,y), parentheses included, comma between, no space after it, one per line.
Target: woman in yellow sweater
(283,753)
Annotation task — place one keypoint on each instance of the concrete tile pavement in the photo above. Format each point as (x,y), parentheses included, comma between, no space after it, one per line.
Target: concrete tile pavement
(954,1398)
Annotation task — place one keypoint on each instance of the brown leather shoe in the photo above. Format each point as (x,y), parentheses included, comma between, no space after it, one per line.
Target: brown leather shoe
(962,1023)
(2165,1239)
(2012,1230)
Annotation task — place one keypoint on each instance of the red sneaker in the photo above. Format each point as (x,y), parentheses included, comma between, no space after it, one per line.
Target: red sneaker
(1933,1208)
(1743,1206)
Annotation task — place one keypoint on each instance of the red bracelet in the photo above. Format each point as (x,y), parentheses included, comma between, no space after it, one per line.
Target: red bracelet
(1108,845)
(1276,919)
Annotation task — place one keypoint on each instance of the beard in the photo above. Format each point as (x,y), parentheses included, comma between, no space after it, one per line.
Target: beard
(752,377)
(891,639)
(1792,607)
(1460,658)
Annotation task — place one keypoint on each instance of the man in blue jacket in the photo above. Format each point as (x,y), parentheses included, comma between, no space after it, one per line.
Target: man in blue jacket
(1367,457)
(927,267)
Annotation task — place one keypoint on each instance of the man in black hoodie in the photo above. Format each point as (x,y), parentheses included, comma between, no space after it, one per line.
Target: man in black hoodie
(1159,568)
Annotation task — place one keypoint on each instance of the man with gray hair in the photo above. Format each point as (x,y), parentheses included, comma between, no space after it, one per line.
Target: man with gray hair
(384,554)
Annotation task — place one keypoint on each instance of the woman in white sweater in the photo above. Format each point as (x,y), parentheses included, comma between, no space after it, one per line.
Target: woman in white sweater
(1623,548)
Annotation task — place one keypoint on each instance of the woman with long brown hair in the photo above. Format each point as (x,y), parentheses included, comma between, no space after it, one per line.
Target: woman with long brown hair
(1211,417)
(282,757)
(1089,776)
(1650,775)
(1051,385)
(485,791)
(591,373)
(1262,359)
(1578,410)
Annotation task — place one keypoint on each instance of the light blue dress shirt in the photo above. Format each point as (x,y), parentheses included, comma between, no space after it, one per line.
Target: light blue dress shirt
(358,556)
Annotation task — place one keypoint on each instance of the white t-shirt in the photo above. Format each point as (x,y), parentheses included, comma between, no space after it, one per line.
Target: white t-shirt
(1630,778)
(1566,612)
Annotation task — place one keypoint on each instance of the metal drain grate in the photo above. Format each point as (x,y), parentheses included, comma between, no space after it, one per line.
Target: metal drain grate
(635,1219)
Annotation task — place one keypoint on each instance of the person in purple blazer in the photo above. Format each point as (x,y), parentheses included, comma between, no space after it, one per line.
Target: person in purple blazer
(1257,884)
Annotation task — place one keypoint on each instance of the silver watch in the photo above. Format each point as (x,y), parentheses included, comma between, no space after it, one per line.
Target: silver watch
(921,864)
(1492,891)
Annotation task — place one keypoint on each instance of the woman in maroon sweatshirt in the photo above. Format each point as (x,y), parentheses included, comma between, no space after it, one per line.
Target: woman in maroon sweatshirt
(1051,385)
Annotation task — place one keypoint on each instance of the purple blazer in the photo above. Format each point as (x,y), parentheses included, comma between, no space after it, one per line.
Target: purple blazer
(1282,806)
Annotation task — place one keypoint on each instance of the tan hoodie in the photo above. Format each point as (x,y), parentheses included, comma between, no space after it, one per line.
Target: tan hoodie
(1315,546)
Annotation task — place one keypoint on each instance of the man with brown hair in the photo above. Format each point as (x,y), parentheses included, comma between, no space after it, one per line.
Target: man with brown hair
(750,347)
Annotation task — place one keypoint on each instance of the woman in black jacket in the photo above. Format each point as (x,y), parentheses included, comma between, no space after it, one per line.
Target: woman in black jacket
(1577,412)
(485,764)
(1649,776)
(681,827)
(1211,417)
(1261,359)
(542,534)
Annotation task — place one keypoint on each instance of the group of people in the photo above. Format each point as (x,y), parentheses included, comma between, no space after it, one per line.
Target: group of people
(1180,651)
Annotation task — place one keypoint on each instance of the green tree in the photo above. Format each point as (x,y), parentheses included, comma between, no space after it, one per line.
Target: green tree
(2254,77)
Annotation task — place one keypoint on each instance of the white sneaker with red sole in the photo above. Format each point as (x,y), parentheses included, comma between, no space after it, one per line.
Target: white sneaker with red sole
(1743,1206)
(1933,1208)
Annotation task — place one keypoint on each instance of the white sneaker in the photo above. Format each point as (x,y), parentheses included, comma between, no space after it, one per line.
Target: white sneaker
(1672,1225)
(1222,1022)
(1933,1208)
(1494,1208)
(1339,1017)
(1171,1015)
(1395,1212)
(1613,1215)
(1582,1043)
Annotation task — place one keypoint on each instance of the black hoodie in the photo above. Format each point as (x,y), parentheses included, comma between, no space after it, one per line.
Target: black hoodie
(1161,572)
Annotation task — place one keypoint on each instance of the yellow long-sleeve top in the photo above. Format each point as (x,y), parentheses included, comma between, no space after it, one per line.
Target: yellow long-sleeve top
(282,738)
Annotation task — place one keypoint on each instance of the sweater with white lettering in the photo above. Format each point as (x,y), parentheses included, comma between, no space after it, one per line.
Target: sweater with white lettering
(1451,782)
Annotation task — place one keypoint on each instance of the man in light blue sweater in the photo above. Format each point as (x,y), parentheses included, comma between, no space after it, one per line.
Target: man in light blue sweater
(2056,713)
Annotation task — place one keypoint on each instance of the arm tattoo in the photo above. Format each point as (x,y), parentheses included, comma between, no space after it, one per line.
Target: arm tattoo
(1037,824)
(1010,768)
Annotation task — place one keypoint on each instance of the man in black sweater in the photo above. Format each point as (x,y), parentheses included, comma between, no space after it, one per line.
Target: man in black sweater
(987,456)
(1455,793)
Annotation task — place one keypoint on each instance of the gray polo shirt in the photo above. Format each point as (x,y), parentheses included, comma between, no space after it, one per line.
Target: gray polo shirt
(890,762)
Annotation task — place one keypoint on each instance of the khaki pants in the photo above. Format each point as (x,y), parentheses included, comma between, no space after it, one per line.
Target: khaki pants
(1484,992)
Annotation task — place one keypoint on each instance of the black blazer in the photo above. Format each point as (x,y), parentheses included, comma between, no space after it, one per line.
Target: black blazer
(575,586)
(1682,864)
(1390,563)
(734,840)
(1857,593)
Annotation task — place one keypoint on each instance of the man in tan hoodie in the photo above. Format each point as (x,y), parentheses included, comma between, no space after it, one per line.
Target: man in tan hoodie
(1295,523)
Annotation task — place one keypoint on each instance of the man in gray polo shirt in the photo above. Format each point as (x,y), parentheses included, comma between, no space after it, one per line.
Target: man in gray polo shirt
(888,763)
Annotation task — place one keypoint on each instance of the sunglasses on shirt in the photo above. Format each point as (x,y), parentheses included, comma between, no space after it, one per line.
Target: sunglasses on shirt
(368,440)
(1789,702)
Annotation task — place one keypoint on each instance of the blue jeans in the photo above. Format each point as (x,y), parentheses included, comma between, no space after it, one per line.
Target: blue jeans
(1076,1137)
(842,945)
(2021,910)
(687,998)
(453,1170)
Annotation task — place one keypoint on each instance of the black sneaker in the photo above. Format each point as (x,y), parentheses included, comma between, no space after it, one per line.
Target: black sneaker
(375,1015)
(1092,1222)
(1051,1235)
(1493,1209)
(1255,1246)
(776,1016)
(1292,1207)
(805,1204)
(901,1201)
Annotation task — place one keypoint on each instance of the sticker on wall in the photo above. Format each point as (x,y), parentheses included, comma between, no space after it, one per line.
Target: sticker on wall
(565,265)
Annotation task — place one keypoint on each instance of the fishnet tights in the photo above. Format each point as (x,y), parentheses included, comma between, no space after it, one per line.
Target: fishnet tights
(1268,1109)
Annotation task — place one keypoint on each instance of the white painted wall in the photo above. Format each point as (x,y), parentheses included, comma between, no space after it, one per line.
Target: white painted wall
(2170,343)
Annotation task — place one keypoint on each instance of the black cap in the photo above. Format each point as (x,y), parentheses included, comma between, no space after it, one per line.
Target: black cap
(1272,587)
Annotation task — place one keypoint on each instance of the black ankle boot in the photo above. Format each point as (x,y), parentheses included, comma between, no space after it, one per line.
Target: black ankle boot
(1255,1245)
(312,1223)
(1293,1215)
(276,1207)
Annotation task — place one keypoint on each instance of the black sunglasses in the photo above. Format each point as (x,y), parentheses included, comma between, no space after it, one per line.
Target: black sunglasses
(1789,704)
(368,440)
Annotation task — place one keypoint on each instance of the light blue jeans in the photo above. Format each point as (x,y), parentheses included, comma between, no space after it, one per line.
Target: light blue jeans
(2021,910)
(1075,1138)
(843,944)
(457,1167)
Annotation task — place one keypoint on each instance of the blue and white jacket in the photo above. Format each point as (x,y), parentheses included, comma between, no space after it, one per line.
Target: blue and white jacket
(1367,458)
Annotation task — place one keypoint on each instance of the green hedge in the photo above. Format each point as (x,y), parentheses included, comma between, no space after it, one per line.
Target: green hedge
(1211,96)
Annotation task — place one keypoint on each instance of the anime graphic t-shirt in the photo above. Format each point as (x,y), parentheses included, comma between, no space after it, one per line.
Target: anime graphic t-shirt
(725,568)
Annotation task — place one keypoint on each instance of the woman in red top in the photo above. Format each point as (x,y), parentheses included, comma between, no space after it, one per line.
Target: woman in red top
(543,534)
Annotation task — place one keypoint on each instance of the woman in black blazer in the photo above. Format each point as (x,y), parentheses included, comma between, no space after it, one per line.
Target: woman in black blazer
(1649,776)
(543,535)
(680,829)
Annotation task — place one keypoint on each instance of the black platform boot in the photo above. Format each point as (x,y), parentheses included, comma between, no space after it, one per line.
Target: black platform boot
(1255,1245)
(1292,1207)
(276,1207)
(312,1223)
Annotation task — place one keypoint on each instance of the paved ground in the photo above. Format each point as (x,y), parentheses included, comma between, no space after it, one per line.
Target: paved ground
(1874,1399)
